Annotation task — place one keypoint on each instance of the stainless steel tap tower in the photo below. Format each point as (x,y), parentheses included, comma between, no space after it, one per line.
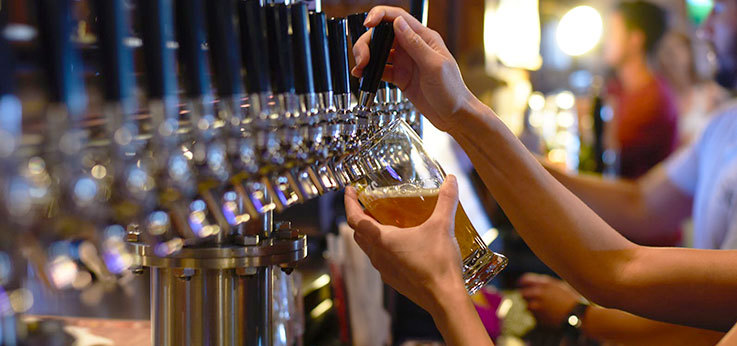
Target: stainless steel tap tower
(239,111)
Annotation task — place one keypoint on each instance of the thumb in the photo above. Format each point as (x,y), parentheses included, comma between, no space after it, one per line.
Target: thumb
(445,208)
(412,43)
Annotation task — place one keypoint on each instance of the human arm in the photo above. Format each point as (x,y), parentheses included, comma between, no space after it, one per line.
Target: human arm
(424,264)
(551,300)
(660,283)
(645,210)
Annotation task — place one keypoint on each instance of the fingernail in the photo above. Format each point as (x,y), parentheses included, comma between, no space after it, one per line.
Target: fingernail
(368,19)
(402,25)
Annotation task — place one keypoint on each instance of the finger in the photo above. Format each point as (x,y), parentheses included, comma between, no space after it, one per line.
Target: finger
(380,14)
(445,209)
(530,279)
(357,218)
(530,293)
(361,53)
(413,43)
(534,305)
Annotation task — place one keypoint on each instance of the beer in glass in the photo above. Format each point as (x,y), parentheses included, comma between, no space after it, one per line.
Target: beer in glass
(400,187)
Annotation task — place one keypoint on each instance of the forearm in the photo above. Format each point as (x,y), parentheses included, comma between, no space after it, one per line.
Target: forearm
(541,209)
(663,284)
(457,319)
(623,328)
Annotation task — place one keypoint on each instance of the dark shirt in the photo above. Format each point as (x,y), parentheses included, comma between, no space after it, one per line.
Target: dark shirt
(646,126)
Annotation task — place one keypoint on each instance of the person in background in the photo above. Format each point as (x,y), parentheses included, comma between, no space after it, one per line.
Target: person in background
(696,97)
(684,286)
(700,182)
(644,130)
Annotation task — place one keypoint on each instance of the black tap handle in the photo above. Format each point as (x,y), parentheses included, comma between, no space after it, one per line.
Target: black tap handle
(355,25)
(303,77)
(191,38)
(418,9)
(224,51)
(321,63)
(338,55)
(380,46)
(280,48)
(254,50)
(117,59)
(158,31)
(61,59)
(7,63)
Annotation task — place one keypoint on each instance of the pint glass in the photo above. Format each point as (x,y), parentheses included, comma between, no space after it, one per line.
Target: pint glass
(399,186)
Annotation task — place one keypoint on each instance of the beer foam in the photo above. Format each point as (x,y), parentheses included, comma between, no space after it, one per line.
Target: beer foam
(404,190)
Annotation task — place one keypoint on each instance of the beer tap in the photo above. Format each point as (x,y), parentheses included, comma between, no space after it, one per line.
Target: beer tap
(241,144)
(174,177)
(308,120)
(338,47)
(206,148)
(327,115)
(382,39)
(261,117)
(128,175)
(76,195)
(281,183)
(384,111)
(347,122)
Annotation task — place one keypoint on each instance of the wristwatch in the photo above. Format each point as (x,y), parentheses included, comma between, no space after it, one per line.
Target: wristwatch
(574,319)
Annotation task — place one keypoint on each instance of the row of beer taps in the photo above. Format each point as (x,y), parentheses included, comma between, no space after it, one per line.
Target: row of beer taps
(248,110)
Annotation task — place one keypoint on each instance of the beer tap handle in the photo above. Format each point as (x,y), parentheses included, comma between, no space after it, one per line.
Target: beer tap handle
(338,55)
(356,28)
(158,26)
(10,118)
(280,48)
(418,9)
(191,38)
(355,25)
(254,50)
(321,62)
(117,60)
(224,50)
(303,59)
(380,46)
(61,59)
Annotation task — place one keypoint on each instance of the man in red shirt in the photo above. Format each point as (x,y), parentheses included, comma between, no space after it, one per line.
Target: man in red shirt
(645,129)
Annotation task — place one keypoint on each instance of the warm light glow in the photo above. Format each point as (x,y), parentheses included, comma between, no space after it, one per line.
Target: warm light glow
(321,308)
(565,100)
(512,33)
(579,30)
(536,101)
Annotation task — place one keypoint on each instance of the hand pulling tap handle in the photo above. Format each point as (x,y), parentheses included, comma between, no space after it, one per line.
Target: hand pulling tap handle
(158,26)
(356,28)
(338,55)
(280,48)
(303,60)
(62,64)
(117,59)
(254,50)
(321,62)
(380,46)
(191,38)
(224,50)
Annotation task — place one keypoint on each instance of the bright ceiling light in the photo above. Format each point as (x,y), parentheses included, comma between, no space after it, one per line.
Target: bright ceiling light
(579,30)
